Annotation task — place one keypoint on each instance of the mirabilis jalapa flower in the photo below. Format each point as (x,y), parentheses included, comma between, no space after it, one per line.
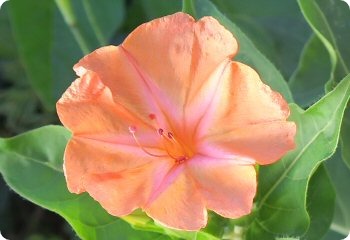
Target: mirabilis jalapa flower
(168,123)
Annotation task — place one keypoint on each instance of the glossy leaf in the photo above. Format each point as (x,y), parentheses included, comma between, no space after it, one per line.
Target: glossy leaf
(314,70)
(345,138)
(248,53)
(320,204)
(330,20)
(276,28)
(340,175)
(281,201)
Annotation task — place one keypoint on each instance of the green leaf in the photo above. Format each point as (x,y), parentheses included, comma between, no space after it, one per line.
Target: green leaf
(33,34)
(65,53)
(331,235)
(66,50)
(277,28)
(7,45)
(345,138)
(248,53)
(314,70)
(156,9)
(330,20)
(105,17)
(31,164)
(320,204)
(281,200)
(78,24)
(340,175)
(92,22)
(147,10)
(141,221)
(49,47)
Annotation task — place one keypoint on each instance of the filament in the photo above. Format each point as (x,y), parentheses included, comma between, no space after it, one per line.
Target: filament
(132,130)
(160,132)
(173,148)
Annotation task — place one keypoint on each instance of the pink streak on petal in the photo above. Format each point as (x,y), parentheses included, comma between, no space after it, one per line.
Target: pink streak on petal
(179,206)
(226,188)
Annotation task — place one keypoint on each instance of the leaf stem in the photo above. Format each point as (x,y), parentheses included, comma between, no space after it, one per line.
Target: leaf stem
(188,6)
(66,9)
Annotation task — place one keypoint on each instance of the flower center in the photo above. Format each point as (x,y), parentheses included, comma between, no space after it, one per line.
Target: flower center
(172,146)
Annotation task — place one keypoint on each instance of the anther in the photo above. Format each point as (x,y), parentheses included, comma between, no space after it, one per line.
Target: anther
(173,148)
(132,129)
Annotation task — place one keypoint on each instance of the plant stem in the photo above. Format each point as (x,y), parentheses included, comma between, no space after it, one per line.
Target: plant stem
(188,7)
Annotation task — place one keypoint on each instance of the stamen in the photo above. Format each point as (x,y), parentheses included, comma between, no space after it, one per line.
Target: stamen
(169,138)
(132,130)
(166,147)
(170,135)
(173,148)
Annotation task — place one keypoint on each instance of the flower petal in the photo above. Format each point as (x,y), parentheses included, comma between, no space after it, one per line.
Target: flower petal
(226,188)
(122,192)
(127,87)
(84,102)
(246,118)
(263,142)
(179,205)
(87,107)
(88,156)
(179,55)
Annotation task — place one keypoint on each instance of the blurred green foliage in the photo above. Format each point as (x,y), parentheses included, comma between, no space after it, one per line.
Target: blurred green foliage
(299,47)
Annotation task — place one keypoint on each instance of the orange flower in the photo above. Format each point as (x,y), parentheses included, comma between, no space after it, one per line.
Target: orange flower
(166,122)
